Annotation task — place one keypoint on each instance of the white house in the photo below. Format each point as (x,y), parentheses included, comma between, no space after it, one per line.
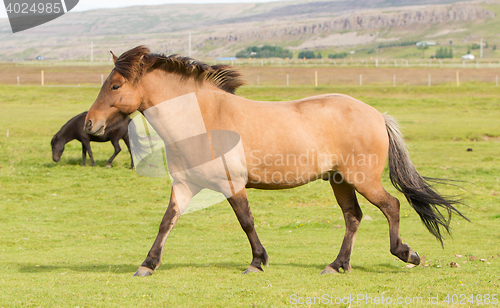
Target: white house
(426,43)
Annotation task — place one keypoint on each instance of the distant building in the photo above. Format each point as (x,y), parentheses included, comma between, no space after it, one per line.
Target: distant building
(226,59)
(40,58)
(426,43)
(468,57)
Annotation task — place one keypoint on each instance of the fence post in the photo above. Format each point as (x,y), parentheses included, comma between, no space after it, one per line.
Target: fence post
(316,78)
(258,80)
(18,83)
(43,81)
(496,80)
(394,81)
(458,79)
(429,80)
(287,80)
(360,79)
(376,62)
(102,79)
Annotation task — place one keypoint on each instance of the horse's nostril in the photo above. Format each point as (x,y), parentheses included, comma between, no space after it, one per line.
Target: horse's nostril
(88,126)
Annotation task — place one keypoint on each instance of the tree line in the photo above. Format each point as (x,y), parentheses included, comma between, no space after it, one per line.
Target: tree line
(265,51)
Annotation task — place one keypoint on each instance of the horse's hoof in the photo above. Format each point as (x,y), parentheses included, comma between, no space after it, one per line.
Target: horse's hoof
(329,270)
(253,269)
(108,166)
(143,272)
(414,258)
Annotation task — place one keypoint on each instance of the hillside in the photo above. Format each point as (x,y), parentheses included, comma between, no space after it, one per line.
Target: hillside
(223,29)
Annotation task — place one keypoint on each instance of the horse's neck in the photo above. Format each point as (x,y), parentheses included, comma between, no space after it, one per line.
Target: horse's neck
(65,134)
(177,119)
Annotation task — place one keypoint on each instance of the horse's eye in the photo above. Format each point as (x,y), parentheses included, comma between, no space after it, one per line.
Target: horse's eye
(115,87)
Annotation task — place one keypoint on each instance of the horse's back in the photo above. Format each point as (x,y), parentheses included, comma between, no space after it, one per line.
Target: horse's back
(338,116)
(313,136)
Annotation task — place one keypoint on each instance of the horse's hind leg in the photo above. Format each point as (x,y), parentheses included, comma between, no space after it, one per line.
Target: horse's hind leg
(239,203)
(116,145)
(389,205)
(126,139)
(346,198)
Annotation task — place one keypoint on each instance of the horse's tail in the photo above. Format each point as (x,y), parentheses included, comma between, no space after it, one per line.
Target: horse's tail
(424,199)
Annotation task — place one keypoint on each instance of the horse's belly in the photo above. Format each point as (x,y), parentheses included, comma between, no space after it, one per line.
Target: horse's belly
(282,178)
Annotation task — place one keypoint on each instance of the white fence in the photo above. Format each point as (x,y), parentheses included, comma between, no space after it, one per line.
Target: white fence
(347,62)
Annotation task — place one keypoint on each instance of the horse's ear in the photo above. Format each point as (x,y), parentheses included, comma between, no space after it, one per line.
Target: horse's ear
(114,57)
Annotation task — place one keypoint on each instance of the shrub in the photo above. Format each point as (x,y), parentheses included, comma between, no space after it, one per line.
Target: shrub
(308,54)
(339,55)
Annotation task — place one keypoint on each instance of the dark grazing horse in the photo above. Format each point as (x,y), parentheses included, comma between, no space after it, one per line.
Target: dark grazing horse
(73,129)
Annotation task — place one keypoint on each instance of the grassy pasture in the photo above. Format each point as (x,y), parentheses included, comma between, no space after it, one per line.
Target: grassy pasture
(73,236)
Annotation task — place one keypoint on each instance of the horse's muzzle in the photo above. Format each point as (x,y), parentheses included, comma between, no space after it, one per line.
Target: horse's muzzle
(96,130)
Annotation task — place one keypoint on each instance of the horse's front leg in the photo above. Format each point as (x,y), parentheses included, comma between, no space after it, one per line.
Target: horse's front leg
(179,199)
(239,203)
(86,144)
(84,155)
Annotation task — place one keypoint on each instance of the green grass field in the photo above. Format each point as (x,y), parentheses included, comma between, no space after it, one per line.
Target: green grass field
(72,236)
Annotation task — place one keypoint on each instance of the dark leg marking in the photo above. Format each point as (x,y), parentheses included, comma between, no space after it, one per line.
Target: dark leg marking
(346,198)
(241,208)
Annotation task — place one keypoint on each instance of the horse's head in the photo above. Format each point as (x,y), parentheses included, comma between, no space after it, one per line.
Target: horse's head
(119,95)
(57,148)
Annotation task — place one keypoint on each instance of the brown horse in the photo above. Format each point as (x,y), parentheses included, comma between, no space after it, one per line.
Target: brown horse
(287,144)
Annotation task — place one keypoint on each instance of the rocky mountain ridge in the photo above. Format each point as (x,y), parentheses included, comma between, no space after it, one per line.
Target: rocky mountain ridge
(223,29)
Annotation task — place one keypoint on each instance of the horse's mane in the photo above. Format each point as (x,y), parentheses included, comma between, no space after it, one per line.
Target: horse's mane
(136,62)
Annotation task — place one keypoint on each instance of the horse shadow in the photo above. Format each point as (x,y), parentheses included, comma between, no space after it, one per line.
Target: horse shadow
(31,268)
(75,162)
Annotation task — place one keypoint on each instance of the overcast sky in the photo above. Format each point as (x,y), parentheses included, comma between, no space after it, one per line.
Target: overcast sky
(84,5)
